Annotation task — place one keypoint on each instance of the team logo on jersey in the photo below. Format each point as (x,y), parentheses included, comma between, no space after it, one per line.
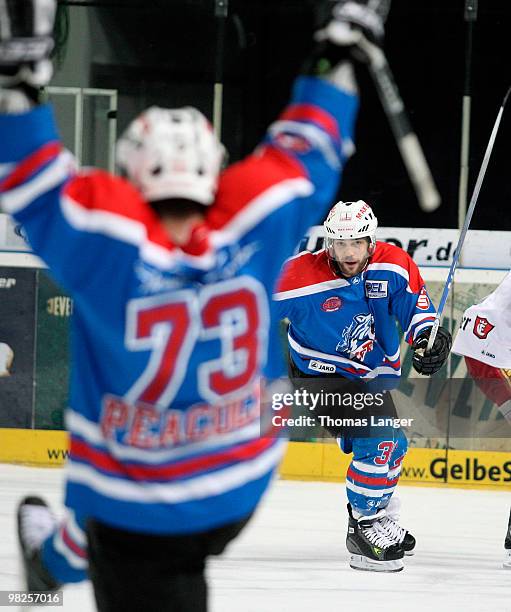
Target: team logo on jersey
(331,304)
(363,349)
(482,327)
(376,288)
(320,366)
(423,302)
(358,338)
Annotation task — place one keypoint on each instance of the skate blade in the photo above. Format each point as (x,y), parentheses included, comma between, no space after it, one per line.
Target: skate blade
(364,564)
(409,553)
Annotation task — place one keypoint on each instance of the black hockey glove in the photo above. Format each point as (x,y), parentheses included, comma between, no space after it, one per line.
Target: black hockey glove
(429,362)
(26,41)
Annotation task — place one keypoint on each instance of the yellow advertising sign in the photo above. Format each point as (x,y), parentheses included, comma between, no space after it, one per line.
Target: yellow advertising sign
(302,461)
(422,466)
(33,447)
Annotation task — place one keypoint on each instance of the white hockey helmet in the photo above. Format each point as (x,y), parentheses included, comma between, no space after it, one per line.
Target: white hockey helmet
(171,153)
(350,221)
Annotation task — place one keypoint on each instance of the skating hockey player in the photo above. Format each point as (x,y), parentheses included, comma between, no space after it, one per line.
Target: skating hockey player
(342,303)
(484,339)
(171,270)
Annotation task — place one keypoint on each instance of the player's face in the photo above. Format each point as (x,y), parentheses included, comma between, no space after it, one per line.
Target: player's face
(351,255)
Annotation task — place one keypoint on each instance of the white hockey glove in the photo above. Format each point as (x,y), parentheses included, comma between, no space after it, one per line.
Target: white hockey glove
(26,41)
(6,359)
(349,30)
(352,24)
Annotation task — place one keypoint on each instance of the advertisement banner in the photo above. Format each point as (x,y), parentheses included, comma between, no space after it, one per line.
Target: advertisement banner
(17,345)
(34,447)
(303,461)
(421,466)
(427,246)
(435,247)
(54,309)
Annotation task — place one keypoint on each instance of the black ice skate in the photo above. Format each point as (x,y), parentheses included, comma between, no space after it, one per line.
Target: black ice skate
(390,523)
(35,524)
(370,547)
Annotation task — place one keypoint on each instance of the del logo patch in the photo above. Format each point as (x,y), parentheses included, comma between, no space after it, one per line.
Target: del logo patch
(423,302)
(482,327)
(376,288)
(331,304)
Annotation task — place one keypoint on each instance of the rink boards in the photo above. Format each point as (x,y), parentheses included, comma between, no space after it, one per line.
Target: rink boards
(35,315)
(303,461)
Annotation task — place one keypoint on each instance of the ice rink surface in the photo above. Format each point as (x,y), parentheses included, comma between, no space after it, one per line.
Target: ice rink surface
(292,556)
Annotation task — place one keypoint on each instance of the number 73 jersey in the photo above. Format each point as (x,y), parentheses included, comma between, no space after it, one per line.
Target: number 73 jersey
(168,343)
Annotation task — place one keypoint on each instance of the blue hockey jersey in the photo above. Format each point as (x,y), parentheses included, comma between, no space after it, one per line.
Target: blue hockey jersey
(348,326)
(168,343)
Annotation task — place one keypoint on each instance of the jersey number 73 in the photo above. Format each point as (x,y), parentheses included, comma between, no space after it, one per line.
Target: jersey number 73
(231,316)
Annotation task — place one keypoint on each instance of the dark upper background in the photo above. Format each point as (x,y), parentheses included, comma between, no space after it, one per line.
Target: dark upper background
(163,52)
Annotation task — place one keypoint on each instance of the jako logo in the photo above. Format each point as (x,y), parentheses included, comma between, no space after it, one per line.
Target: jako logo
(319,366)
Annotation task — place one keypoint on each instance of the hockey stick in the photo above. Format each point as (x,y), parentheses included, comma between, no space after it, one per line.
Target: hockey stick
(406,139)
(468,218)
(221,12)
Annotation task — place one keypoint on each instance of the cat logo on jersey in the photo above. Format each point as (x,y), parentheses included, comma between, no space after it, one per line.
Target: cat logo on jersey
(423,302)
(363,349)
(482,327)
(376,288)
(358,337)
(331,304)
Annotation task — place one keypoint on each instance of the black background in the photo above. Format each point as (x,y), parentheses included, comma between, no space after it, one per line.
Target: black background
(165,53)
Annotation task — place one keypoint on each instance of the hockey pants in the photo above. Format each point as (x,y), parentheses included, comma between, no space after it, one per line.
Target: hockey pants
(133,572)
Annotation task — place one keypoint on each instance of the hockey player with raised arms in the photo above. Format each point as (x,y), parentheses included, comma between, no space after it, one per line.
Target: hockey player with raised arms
(342,303)
(171,270)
